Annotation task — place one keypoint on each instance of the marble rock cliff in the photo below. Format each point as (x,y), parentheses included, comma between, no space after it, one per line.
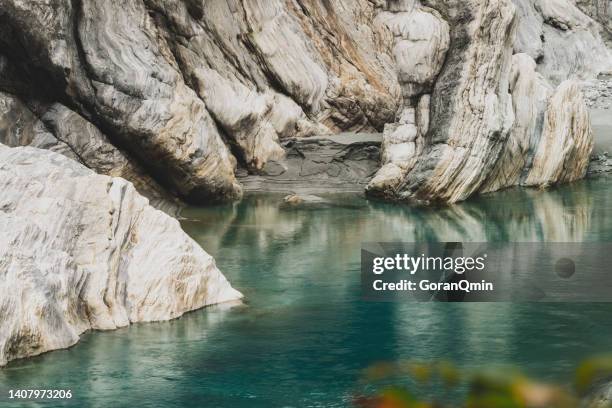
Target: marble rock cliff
(182,93)
(506,108)
(81,251)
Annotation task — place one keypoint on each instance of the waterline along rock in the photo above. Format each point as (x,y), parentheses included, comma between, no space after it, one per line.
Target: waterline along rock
(81,251)
(190,93)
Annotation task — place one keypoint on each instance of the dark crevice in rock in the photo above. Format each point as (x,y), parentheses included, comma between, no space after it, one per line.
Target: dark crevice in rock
(170,34)
(445,87)
(65,142)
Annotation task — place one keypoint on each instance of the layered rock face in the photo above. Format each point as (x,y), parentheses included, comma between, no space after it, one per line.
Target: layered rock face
(502,111)
(561,38)
(421,41)
(181,96)
(177,84)
(82,251)
(108,60)
(186,90)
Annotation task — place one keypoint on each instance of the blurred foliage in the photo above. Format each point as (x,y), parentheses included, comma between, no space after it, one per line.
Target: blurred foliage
(499,388)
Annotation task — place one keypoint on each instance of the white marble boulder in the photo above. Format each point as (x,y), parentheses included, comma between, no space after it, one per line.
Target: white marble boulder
(82,251)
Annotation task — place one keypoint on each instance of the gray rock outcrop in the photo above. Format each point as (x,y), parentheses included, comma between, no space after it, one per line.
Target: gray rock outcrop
(81,251)
(339,164)
(601,11)
(421,41)
(566,138)
(176,83)
(561,38)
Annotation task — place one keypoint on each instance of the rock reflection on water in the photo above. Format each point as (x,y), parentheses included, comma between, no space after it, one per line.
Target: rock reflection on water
(314,244)
(138,354)
(517,215)
(141,365)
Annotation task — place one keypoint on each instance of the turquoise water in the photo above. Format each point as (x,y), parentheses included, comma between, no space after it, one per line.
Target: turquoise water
(303,336)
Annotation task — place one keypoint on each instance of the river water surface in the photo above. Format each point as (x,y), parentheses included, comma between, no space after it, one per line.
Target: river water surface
(303,336)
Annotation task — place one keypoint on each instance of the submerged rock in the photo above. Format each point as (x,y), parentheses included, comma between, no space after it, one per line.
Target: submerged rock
(81,251)
(303,198)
